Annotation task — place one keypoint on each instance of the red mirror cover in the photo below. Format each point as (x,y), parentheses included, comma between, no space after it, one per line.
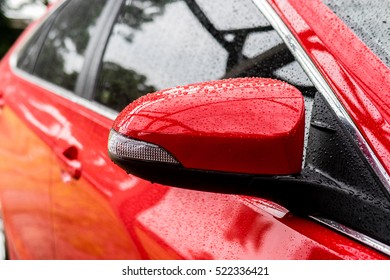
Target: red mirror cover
(243,125)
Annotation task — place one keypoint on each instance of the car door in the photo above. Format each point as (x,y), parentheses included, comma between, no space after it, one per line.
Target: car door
(25,171)
(28,131)
(40,160)
(79,211)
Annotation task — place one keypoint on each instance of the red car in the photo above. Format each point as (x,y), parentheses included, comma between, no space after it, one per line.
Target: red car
(268,136)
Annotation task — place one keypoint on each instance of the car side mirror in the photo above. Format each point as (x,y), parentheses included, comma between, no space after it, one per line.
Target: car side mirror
(212,135)
(242,136)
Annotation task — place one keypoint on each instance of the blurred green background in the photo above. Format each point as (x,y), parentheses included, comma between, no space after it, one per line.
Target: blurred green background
(14,17)
(7,34)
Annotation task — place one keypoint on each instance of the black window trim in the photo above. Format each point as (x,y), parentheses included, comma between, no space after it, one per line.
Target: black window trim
(85,84)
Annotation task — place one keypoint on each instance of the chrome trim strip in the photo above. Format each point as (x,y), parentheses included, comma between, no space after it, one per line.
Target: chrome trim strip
(324,88)
(93,106)
(354,234)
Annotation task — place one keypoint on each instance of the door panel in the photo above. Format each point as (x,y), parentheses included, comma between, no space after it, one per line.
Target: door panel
(25,170)
(85,225)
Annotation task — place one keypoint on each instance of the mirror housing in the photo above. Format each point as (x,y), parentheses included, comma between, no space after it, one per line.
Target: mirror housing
(237,126)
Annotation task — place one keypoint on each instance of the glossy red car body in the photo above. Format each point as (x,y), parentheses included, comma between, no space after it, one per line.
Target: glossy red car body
(48,140)
(364,91)
(202,121)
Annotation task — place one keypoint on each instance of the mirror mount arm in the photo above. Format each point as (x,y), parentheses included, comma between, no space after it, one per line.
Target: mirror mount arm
(281,189)
(312,194)
(298,193)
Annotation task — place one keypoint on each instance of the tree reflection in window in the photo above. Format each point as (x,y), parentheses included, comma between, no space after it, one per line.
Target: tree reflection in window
(160,44)
(123,82)
(62,55)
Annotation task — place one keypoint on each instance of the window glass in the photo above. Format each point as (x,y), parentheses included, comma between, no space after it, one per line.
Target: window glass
(28,55)
(259,42)
(232,14)
(62,55)
(152,48)
(160,44)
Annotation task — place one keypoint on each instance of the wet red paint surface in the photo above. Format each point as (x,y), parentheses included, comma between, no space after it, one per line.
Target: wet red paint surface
(237,125)
(359,78)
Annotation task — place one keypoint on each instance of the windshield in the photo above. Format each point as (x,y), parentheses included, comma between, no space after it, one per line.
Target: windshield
(369,20)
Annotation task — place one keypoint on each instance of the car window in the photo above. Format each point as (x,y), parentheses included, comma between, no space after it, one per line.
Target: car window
(148,51)
(28,55)
(61,57)
(152,48)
